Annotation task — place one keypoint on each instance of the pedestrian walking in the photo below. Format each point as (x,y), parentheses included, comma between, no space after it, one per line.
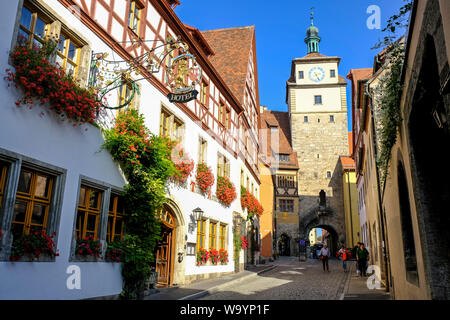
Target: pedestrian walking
(354,252)
(324,256)
(362,256)
(344,253)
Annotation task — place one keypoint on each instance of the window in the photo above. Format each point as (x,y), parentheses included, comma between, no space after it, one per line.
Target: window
(282,157)
(201,225)
(170,126)
(115,230)
(332,73)
(89,208)
(222,112)
(331,118)
(212,235)
(202,151)
(301,75)
(253,189)
(227,123)
(242,177)
(317,99)
(286,205)
(223,166)
(248,183)
(222,236)
(204,90)
(329,174)
(318,120)
(125,94)
(286,181)
(33,28)
(305,119)
(3,171)
(68,55)
(32,204)
(134,17)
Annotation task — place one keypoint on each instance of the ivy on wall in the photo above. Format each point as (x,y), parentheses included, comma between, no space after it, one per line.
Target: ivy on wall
(146,162)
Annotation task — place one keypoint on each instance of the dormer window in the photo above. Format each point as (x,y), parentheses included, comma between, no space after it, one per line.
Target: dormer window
(282,157)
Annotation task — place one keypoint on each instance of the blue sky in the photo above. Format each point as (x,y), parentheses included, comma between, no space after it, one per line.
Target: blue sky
(281,29)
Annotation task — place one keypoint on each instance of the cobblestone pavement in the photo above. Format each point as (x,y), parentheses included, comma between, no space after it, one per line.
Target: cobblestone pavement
(291,280)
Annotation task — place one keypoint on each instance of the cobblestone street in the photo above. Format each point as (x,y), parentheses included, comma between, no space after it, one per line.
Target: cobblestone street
(291,280)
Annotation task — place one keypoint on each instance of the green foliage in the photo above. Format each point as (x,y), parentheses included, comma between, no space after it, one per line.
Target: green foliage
(146,162)
(389,115)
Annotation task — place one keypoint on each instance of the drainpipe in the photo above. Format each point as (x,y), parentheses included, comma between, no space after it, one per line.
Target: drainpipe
(386,265)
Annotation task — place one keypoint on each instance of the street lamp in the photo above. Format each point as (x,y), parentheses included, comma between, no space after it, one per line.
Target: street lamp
(198,214)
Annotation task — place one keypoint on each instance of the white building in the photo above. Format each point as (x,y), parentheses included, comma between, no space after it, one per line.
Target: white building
(220,128)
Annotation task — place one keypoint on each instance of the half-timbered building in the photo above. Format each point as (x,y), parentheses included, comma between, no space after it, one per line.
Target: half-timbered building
(219,128)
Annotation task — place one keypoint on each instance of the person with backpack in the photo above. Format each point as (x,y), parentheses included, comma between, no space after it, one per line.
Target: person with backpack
(344,253)
(362,255)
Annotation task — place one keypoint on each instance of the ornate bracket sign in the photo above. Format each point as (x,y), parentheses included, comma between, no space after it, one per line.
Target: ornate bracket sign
(182,73)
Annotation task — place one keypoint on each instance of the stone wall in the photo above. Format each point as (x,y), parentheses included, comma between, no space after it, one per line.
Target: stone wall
(318,146)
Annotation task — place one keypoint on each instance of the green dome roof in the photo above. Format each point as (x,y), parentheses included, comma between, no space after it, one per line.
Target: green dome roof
(312,31)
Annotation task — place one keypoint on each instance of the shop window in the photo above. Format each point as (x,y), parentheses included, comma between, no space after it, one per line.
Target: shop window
(116,227)
(89,211)
(32,204)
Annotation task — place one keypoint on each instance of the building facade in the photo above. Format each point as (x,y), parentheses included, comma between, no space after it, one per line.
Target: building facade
(317,106)
(416,195)
(276,149)
(219,128)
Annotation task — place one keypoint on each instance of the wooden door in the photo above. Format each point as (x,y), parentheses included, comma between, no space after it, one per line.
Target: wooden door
(165,249)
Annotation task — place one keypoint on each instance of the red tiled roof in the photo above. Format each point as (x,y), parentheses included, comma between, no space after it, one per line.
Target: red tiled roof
(281,121)
(232,52)
(350,142)
(347,163)
(359,74)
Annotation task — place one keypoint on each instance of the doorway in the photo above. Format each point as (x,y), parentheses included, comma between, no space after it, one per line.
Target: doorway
(165,249)
(284,245)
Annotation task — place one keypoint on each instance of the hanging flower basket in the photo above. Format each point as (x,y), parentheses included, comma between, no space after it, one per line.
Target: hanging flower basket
(244,242)
(226,192)
(204,177)
(33,245)
(43,82)
(183,163)
(249,202)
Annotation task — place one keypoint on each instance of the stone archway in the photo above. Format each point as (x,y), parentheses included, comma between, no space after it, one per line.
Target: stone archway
(327,221)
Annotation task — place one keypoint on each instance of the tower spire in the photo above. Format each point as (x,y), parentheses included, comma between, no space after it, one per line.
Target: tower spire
(312,36)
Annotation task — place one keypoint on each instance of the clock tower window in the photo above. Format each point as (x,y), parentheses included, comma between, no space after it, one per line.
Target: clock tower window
(317,100)
(332,73)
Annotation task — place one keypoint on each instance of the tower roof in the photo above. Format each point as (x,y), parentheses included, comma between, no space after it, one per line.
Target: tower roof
(312,39)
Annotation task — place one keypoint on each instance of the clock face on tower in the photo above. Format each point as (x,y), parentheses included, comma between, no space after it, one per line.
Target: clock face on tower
(317,74)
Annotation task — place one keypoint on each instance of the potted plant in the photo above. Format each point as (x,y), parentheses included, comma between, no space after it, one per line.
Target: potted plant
(204,177)
(202,256)
(223,256)
(183,163)
(214,256)
(88,248)
(32,246)
(249,202)
(225,192)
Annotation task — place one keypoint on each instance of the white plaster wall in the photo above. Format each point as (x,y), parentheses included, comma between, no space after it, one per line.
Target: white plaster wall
(306,67)
(49,140)
(331,99)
